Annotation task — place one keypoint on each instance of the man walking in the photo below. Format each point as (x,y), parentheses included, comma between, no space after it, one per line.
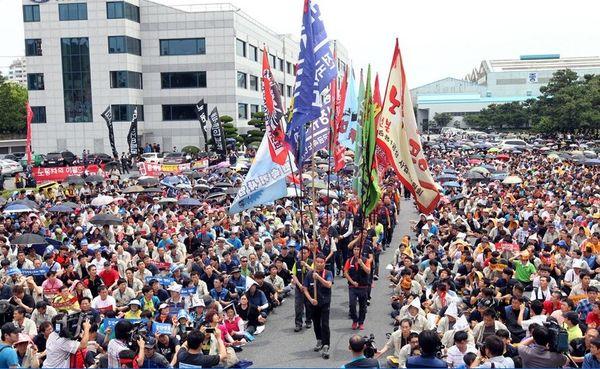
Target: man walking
(302,266)
(357,271)
(317,289)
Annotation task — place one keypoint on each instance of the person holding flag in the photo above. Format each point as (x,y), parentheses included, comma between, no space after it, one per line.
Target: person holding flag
(317,289)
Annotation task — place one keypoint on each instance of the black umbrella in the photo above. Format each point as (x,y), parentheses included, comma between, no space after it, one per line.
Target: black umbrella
(75,180)
(95,178)
(106,219)
(193,174)
(133,189)
(458,197)
(148,181)
(223,184)
(112,165)
(214,195)
(152,190)
(61,209)
(29,239)
(70,204)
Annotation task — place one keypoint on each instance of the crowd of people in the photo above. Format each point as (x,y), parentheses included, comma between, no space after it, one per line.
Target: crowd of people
(140,272)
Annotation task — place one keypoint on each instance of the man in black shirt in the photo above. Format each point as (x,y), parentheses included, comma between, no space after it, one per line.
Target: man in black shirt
(317,289)
(191,351)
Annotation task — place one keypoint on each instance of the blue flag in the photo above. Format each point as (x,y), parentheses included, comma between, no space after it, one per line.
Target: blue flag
(348,129)
(316,70)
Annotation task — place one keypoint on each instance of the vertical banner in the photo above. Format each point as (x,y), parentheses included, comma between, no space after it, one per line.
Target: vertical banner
(201,111)
(28,142)
(108,117)
(132,136)
(216,131)
(278,148)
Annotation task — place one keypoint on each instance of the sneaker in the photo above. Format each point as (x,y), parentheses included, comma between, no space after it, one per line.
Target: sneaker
(376,277)
(325,352)
(298,329)
(318,346)
(308,325)
(354,326)
(361,327)
(369,302)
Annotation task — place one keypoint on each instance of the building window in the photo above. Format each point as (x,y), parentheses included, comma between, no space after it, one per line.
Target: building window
(253,51)
(183,80)
(289,91)
(273,61)
(122,10)
(241,80)
(35,81)
(253,83)
(281,90)
(179,112)
(288,67)
(124,112)
(39,114)
(240,47)
(77,83)
(254,109)
(126,79)
(31,13)
(280,61)
(529,93)
(183,46)
(242,111)
(33,47)
(124,44)
(72,12)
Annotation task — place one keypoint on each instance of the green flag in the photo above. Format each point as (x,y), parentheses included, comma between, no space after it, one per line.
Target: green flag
(357,183)
(369,191)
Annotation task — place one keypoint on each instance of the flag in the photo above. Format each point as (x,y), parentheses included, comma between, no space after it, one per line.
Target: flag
(132,135)
(265,181)
(370,192)
(380,159)
(108,117)
(339,119)
(399,140)
(201,110)
(316,69)
(360,100)
(28,141)
(278,148)
(347,127)
(376,96)
(217,133)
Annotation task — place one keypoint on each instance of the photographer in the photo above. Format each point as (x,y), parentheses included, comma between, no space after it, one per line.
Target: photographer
(122,334)
(357,345)
(60,347)
(535,353)
(430,345)
(191,351)
(493,348)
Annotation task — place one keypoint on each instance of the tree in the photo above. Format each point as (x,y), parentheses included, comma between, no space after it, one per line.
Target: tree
(442,119)
(255,136)
(13,98)
(2,78)
(229,129)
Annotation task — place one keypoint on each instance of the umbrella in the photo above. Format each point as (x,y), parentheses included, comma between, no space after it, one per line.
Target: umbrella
(112,165)
(29,203)
(328,193)
(449,171)
(18,208)
(458,197)
(29,239)
(202,187)
(293,192)
(452,184)
(512,180)
(189,201)
(214,195)
(172,180)
(193,174)
(553,156)
(592,162)
(232,191)
(446,177)
(133,189)
(71,204)
(494,149)
(61,209)
(223,184)
(94,179)
(474,175)
(481,170)
(498,176)
(148,181)
(474,161)
(74,180)
(503,157)
(167,200)
(102,200)
(152,190)
(119,199)
(106,219)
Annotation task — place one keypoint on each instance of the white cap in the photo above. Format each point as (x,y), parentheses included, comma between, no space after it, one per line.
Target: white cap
(416,303)
(452,311)
(577,263)
(175,287)
(249,283)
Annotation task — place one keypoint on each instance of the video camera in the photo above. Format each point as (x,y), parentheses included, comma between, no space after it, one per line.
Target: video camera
(70,325)
(139,330)
(370,348)
(559,339)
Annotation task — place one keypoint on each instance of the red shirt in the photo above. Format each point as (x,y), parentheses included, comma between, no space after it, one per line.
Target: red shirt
(593,318)
(109,276)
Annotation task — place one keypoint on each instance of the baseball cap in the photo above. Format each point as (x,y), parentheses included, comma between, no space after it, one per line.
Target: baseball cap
(162,306)
(150,342)
(23,338)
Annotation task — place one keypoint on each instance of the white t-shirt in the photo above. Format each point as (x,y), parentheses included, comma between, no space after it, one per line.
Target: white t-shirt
(104,305)
(455,357)
(114,348)
(59,350)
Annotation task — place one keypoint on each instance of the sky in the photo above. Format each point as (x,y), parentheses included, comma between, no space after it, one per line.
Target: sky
(437,38)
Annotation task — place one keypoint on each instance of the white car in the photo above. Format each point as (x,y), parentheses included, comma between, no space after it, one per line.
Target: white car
(10,167)
(153,157)
(514,143)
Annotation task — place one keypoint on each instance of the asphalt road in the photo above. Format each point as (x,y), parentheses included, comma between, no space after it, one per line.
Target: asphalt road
(280,347)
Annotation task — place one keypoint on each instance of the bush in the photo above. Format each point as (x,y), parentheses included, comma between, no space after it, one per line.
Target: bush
(192,150)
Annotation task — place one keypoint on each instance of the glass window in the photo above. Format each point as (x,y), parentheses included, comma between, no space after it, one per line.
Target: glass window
(71,12)
(31,13)
(288,67)
(289,90)
(126,79)
(183,80)
(281,90)
(280,61)
(241,80)
(35,81)
(122,9)
(183,46)
(253,51)
(273,61)
(39,114)
(33,47)
(253,83)
(124,44)
(77,84)
(124,112)
(242,111)
(240,47)
(254,109)
(179,112)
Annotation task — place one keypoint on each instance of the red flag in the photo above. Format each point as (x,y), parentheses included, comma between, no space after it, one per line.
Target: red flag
(274,114)
(377,96)
(339,115)
(28,142)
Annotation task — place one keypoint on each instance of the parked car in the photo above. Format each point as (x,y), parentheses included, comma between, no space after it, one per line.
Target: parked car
(175,158)
(10,167)
(36,160)
(102,157)
(11,156)
(57,159)
(153,157)
(514,143)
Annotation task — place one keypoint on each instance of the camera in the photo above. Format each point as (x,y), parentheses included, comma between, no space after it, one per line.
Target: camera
(559,339)
(139,330)
(70,325)
(370,348)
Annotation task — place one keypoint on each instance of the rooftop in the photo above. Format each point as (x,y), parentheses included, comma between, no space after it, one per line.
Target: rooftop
(541,62)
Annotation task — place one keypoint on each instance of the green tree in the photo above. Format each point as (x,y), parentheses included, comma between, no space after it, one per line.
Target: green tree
(255,136)
(229,129)
(12,108)
(442,119)
(2,78)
